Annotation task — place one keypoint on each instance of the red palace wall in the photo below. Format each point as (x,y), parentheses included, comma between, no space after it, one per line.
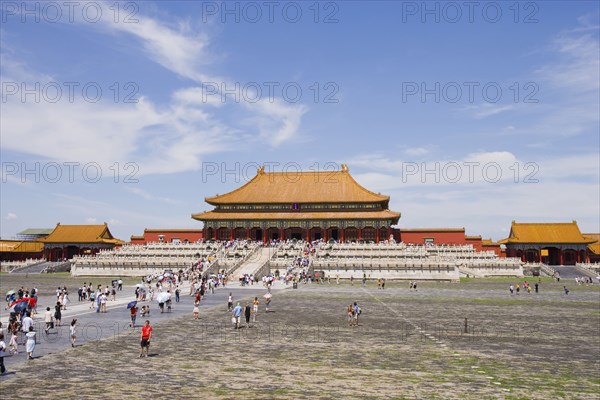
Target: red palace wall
(438,236)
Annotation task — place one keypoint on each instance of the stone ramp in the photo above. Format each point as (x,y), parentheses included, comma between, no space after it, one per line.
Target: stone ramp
(36,268)
(570,272)
(253,264)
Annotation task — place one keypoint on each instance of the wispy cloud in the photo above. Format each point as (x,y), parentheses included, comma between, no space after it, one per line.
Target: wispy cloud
(147,196)
(158,139)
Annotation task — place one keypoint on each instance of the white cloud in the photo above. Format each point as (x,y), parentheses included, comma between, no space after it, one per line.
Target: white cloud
(147,196)
(90,220)
(157,139)
(416,151)
(11,216)
(485,110)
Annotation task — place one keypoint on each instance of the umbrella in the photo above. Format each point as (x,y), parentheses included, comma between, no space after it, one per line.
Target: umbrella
(160,277)
(267,296)
(10,292)
(132,304)
(163,297)
(20,307)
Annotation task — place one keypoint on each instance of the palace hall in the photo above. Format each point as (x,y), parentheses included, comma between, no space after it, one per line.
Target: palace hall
(299,205)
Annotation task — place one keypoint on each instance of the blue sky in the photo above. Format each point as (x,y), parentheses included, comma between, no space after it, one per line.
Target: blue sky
(465,117)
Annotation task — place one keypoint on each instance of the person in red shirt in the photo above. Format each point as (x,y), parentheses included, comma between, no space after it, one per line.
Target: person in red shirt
(146,336)
(133,311)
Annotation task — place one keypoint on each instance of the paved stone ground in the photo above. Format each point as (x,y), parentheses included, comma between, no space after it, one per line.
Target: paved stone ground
(408,345)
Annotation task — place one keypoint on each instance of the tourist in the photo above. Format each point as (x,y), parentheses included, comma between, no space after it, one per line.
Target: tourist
(103,300)
(356,312)
(113,294)
(2,353)
(364,280)
(511,289)
(30,344)
(267,302)
(65,299)
(237,313)
(247,314)
(350,314)
(133,313)
(26,323)
(48,319)
(73,332)
(229,302)
(145,339)
(254,309)
(566,290)
(382,283)
(196,310)
(177,292)
(518,288)
(92,297)
(13,329)
(536,287)
(120,284)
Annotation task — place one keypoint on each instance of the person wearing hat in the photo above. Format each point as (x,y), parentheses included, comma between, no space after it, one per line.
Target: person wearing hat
(73,331)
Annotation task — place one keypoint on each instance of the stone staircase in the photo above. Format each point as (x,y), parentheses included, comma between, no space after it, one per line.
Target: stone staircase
(572,272)
(252,264)
(46,266)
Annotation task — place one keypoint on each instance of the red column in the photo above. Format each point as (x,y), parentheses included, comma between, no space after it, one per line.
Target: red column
(560,256)
(231,234)
(324,234)
(359,234)
(540,254)
(343,237)
(308,235)
(280,233)
(377,235)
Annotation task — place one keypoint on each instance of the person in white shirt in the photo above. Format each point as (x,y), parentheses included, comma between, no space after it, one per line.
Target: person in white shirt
(48,319)
(73,331)
(2,353)
(26,323)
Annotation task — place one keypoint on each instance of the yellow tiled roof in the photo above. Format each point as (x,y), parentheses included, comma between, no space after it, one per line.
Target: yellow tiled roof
(81,234)
(593,247)
(473,237)
(215,215)
(299,187)
(17,246)
(489,242)
(545,233)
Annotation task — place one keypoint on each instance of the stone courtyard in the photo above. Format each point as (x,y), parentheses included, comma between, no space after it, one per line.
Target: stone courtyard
(409,344)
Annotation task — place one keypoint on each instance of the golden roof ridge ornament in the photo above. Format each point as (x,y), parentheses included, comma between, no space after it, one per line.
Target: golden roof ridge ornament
(344,168)
(261,170)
